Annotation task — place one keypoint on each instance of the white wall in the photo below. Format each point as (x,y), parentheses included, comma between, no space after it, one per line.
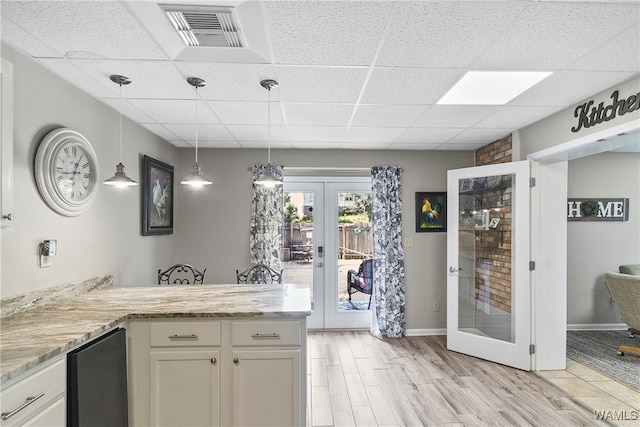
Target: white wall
(213,221)
(104,240)
(594,248)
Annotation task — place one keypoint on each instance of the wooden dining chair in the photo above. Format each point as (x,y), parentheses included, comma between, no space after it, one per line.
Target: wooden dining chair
(181,274)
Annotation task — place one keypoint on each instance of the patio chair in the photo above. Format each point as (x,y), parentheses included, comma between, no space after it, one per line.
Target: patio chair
(181,274)
(361,280)
(625,291)
(259,274)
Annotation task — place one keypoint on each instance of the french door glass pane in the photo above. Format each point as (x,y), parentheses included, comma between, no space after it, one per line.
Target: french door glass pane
(355,243)
(298,238)
(485,292)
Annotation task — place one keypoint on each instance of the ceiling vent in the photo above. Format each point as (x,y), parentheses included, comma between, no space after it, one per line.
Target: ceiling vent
(205,26)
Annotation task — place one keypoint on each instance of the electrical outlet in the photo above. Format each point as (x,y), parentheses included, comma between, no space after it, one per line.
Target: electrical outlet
(407,242)
(436,306)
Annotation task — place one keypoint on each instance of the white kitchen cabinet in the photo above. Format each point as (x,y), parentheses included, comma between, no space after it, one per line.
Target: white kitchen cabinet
(266,388)
(185,385)
(38,399)
(236,372)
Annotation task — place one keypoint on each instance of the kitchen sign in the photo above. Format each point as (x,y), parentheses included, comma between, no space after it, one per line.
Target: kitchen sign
(598,210)
(590,115)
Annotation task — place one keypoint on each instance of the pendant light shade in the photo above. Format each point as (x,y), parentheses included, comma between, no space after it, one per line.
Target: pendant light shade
(268,179)
(120,179)
(196,178)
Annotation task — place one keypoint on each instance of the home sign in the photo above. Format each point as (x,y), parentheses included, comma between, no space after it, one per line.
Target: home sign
(597,209)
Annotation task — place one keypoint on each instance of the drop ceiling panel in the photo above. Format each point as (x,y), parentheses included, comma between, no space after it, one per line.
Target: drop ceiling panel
(370,145)
(326,33)
(149,79)
(232,82)
(394,85)
(320,84)
(373,135)
(128,110)
(205,132)
(415,146)
(479,136)
(318,114)
(428,135)
(444,34)
(568,87)
(387,115)
(513,118)
(163,132)
(107,28)
(313,145)
(245,133)
(454,116)
(315,134)
(14,35)
(175,110)
(74,73)
(247,113)
(549,42)
(216,144)
(619,53)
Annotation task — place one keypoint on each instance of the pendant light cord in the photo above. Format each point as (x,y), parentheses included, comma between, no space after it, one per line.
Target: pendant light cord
(269,131)
(120,122)
(196,90)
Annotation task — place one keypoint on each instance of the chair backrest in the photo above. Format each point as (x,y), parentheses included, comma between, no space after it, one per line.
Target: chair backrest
(181,274)
(259,274)
(366,271)
(630,269)
(625,291)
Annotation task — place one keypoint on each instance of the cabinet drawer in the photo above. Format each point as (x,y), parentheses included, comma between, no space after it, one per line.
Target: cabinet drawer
(185,334)
(47,383)
(265,333)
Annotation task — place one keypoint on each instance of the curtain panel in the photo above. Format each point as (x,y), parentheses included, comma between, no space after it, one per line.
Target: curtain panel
(388,265)
(267,219)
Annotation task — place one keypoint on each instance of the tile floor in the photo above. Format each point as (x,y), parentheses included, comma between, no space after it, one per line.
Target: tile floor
(619,404)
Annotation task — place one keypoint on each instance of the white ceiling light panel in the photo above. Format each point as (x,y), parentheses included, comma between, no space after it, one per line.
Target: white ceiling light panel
(491,87)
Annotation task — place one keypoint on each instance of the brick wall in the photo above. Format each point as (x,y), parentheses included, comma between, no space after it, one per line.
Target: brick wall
(493,246)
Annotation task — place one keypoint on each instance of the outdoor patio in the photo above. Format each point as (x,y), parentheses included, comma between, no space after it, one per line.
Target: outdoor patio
(302,272)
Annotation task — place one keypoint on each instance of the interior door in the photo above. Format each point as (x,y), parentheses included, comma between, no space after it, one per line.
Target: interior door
(488,278)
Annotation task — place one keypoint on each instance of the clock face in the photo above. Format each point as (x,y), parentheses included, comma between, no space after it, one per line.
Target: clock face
(66,170)
(74,172)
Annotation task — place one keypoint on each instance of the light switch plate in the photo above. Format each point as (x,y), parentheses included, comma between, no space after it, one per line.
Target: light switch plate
(407,242)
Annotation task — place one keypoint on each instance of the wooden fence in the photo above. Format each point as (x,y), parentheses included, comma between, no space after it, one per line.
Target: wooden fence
(355,241)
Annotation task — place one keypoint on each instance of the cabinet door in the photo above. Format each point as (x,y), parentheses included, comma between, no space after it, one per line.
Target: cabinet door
(185,388)
(266,388)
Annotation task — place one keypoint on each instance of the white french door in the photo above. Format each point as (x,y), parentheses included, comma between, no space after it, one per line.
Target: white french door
(488,277)
(326,265)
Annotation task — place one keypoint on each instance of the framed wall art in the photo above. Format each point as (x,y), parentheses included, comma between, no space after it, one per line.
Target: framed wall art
(157,197)
(431,211)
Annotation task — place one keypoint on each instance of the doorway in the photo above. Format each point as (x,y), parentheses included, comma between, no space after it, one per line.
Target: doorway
(327,235)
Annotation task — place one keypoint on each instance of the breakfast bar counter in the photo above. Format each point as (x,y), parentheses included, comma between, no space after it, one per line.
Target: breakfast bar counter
(31,337)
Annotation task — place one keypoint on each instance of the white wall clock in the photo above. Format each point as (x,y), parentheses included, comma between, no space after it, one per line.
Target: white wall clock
(66,171)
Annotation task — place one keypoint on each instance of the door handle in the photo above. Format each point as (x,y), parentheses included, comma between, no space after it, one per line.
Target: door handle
(454,270)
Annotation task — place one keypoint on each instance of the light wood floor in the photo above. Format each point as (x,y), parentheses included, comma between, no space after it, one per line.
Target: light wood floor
(358,380)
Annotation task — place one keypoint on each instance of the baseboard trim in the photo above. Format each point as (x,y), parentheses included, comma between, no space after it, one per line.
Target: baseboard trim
(597,327)
(425,332)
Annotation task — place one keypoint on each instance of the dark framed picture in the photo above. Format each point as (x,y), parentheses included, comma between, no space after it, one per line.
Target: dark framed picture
(157,197)
(431,211)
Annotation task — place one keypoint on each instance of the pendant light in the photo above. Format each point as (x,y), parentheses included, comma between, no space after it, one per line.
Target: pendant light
(120,179)
(268,179)
(196,179)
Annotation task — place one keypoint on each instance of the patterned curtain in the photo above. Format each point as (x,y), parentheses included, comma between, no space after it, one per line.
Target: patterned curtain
(388,266)
(267,216)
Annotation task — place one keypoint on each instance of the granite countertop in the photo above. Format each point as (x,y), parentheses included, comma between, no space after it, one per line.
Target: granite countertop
(33,336)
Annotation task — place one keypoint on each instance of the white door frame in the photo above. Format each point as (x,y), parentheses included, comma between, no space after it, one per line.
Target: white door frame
(549,279)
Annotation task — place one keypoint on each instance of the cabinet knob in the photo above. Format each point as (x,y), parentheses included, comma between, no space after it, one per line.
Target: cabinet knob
(214,360)
(236,360)
(8,217)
